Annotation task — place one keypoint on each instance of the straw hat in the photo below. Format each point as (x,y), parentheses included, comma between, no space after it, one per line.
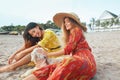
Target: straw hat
(58,19)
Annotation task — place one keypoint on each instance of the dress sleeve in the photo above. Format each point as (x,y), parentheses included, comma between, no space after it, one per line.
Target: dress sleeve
(46,37)
(74,38)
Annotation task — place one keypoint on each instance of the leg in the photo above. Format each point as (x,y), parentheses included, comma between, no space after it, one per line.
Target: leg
(19,56)
(30,77)
(28,72)
(67,69)
(17,64)
(72,69)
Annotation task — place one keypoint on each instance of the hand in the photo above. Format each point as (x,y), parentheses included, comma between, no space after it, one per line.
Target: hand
(11,58)
(42,51)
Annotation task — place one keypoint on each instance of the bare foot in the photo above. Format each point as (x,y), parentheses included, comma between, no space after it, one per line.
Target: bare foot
(6,68)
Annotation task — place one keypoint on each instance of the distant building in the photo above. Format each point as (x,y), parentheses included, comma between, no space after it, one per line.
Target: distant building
(107,16)
(118,17)
(107,20)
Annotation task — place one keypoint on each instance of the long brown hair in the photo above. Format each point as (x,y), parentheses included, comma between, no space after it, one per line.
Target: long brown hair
(29,40)
(66,32)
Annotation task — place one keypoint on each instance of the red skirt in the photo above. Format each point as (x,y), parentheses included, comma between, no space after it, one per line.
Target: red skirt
(78,67)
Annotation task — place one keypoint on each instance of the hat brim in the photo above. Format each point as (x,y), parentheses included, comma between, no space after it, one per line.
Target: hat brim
(58,19)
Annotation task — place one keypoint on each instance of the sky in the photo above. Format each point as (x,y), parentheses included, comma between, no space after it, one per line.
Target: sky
(21,12)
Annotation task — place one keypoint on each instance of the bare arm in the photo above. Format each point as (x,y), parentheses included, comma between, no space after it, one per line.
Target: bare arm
(55,54)
(11,58)
(19,50)
(20,53)
(25,52)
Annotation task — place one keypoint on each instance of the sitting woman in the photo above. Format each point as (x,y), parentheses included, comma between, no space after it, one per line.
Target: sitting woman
(80,65)
(34,37)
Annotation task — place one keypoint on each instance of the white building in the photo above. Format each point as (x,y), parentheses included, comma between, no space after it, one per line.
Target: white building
(107,15)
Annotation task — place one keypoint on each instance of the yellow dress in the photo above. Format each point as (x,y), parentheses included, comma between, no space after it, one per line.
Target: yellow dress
(50,41)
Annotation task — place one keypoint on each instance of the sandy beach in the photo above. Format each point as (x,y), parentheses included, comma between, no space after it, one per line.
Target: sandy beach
(105,47)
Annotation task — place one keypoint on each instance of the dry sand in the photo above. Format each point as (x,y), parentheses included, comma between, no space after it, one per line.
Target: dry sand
(105,47)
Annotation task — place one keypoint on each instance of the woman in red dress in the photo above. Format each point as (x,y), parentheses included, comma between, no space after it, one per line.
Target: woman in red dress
(80,65)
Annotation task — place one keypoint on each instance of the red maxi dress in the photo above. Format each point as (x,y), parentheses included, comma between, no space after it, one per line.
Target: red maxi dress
(80,66)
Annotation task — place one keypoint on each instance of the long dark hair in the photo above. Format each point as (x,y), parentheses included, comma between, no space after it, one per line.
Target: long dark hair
(29,40)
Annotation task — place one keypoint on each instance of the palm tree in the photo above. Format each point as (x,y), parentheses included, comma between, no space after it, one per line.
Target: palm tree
(111,22)
(116,21)
(97,23)
(92,21)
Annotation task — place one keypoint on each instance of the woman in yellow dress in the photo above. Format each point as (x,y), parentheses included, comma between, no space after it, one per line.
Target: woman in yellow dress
(34,37)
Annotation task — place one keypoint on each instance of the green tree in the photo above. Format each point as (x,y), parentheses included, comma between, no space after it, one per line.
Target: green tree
(92,22)
(111,22)
(97,22)
(116,21)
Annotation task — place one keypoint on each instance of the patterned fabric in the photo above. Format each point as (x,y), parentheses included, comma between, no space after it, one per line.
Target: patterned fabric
(80,66)
(50,41)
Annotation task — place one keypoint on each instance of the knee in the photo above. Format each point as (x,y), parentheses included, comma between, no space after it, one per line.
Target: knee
(17,57)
